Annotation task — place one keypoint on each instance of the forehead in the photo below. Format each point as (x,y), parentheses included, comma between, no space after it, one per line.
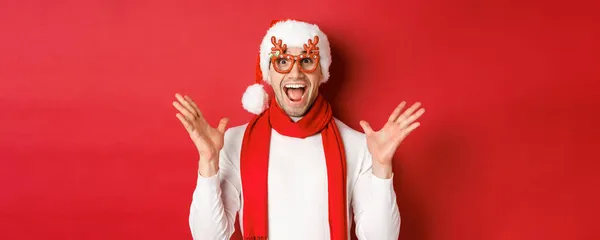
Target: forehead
(295,50)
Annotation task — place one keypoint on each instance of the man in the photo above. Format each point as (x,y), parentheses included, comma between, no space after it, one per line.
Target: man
(294,171)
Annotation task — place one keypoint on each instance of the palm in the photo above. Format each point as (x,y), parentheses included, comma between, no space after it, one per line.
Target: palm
(208,140)
(382,144)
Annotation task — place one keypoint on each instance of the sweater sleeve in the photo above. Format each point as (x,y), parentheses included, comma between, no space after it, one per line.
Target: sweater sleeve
(376,212)
(215,202)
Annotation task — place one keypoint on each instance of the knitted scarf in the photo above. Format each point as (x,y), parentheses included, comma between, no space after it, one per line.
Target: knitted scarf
(255,161)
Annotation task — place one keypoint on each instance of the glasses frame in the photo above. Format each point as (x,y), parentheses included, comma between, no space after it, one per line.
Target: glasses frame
(278,53)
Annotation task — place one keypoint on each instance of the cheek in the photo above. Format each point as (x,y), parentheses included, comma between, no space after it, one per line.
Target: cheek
(274,78)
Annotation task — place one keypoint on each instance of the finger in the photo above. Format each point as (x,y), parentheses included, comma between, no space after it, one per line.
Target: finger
(186,104)
(184,111)
(410,128)
(412,118)
(194,105)
(396,112)
(366,127)
(222,125)
(186,124)
(408,112)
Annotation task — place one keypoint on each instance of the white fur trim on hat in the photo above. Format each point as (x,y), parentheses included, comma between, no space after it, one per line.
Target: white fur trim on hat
(295,34)
(255,99)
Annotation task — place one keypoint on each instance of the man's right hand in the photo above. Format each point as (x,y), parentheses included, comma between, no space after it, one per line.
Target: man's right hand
(208,140)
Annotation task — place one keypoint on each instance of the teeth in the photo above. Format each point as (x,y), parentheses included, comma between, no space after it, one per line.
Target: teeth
(295,86)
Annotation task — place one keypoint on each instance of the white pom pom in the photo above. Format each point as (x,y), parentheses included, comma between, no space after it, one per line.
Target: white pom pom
(255,99)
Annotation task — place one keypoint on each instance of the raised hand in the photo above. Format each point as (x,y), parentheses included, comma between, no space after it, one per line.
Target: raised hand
(383,144)
(208,140)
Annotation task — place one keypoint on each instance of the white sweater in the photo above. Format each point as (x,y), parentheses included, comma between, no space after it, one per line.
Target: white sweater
(297,187)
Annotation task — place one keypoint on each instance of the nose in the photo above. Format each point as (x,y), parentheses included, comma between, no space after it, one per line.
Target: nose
(295,73)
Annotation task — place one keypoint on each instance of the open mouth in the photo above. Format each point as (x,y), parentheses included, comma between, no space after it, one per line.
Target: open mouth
(295,91)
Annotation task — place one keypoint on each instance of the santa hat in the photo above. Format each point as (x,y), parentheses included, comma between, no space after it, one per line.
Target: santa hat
(294,34)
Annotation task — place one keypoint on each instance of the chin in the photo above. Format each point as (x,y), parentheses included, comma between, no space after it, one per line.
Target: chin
(295,112)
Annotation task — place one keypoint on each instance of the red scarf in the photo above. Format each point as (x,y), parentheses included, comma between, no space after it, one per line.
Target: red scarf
(255,161)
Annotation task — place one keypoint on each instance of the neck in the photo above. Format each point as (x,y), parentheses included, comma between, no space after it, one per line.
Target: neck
(296,119)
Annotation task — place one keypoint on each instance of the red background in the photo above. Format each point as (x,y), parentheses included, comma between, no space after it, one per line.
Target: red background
(91,148)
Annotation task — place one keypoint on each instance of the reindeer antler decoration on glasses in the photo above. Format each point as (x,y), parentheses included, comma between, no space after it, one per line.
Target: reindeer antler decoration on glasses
(283,63)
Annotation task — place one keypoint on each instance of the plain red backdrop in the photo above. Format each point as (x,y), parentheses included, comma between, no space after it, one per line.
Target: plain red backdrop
(90,147)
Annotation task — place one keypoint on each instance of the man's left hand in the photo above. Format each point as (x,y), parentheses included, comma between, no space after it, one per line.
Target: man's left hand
(382,144)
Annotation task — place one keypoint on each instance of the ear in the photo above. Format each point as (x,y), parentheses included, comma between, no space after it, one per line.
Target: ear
(321,76)
(321,79)
(268,77)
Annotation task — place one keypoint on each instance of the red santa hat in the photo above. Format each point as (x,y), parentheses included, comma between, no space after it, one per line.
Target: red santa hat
(294,34)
